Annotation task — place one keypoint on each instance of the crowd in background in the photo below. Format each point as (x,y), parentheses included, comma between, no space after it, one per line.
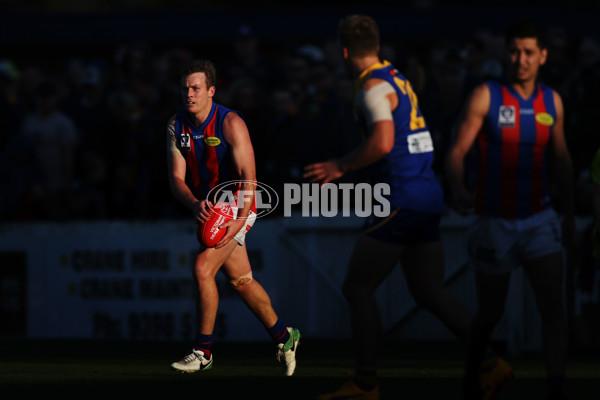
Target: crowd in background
(83,138)
(86,140)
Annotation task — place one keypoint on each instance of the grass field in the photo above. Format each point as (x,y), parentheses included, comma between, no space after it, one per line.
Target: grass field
(104,369)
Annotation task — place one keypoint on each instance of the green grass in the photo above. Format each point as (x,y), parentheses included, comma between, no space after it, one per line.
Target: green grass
(104,369)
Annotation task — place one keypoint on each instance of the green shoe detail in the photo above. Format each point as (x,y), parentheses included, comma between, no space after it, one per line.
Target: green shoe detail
(293,340)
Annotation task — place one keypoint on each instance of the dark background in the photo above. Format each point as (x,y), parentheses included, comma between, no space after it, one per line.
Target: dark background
(295,96)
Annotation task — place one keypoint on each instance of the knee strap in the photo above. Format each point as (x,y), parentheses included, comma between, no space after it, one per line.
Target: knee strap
(242,280)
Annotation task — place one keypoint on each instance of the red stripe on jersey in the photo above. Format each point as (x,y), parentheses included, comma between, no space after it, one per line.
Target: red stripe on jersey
(212,161)
(192,162)
(541,140)
(509,159)
(482,179)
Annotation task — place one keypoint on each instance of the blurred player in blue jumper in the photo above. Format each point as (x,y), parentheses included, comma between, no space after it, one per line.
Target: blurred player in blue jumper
(398,150)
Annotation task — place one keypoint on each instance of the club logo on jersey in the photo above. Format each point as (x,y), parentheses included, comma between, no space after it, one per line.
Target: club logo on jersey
(544,119)
(212,141)
(184,142)
(506,116)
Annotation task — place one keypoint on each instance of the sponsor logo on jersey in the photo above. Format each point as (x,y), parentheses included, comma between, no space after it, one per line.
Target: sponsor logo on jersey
(212,141)
(544,119)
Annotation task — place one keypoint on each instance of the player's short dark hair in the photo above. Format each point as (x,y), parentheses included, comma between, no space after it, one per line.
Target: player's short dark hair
(200,65)
(359,34)
(526,28)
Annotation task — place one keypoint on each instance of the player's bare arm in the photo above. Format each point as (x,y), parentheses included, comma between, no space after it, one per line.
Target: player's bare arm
(237,136)
(469,126)
(377,145)
(176,166)
(563,169)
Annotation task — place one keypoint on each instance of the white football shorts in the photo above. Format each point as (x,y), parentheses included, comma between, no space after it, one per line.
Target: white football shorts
(241,235)
(496,245)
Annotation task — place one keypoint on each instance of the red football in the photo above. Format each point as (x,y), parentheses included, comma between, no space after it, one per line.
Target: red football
(208,232)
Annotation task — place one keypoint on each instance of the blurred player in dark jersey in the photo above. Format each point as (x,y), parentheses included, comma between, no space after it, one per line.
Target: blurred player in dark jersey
(516,126)
(398,150)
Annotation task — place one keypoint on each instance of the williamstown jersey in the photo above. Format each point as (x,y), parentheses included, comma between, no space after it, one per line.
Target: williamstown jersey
(513,149)
(208,157)
(407,168)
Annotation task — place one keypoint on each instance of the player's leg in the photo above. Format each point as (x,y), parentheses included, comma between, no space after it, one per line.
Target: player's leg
(542,254)
(239,273)
(206,266)
(492,246)
(238,270)
(546,277)
(491,298)
(371,262)
(423,265)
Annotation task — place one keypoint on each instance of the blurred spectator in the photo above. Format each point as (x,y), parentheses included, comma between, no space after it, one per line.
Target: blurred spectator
(280,151)
(74,69)
(31,78)
(11,104)
(582,104)
(448,71)
(295,73)
(586,261)
(130,59)
(332,56)
(247,60)
(485,48)
(321,107)
(491,69)
(87,107)
(293,94)
(249,98)
(16,155)
(167,75)
(54,139)
(559,62)
(128,136)
(415,73)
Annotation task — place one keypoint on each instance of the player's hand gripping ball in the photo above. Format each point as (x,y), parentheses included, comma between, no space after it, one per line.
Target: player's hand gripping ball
(208,232)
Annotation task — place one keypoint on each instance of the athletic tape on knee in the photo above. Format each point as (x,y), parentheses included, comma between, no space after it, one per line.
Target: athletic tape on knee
(241,281)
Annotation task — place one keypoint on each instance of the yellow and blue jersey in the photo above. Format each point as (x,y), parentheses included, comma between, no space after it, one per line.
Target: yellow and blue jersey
(407,168)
